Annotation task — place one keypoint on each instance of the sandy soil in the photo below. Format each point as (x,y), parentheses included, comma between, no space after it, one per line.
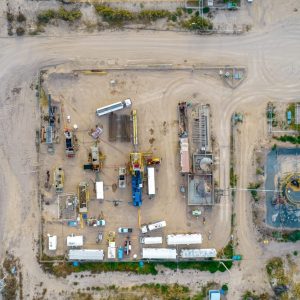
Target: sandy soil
(272,58)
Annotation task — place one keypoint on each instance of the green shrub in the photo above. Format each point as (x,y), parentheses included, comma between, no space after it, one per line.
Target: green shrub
(225,287)
(293,236)
(153,15)
(189,11)
(67,15)
(206,10)
(20,31)
(197,23)
(253,186)
(233,178)
(21,17)
(10,17)
(46,16)
(173,17)
(179,11)
(289,138)
(114,15)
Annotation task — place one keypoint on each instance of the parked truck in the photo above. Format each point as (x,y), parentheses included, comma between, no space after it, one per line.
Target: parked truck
(154,226)
(70,151)
(151,240)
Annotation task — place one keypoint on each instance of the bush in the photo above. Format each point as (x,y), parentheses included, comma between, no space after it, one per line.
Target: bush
(289,138)
(173,17)
(21,17)
(189,11)
(114,15)
(197,23)
(253,190)
(153,15)
(10,17)
(293,236)
(46,16)
(67,15)
(20,31)
(206,10)
(225,287)
(179,11)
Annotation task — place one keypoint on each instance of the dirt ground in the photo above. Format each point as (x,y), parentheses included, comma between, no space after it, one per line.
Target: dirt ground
(271,54)
(157,133)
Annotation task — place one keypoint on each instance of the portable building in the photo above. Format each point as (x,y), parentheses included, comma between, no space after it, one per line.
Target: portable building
(159,253)
(151,240)
(52,242)
(74,240)
(111,250)
(214,295)
(184,239)
(198,253)
(85,255)
(99,190)
(151,181)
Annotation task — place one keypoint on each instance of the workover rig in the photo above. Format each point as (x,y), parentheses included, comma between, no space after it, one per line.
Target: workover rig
(138,164)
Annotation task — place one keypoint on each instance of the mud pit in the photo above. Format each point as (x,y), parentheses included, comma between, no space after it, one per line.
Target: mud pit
(155,95)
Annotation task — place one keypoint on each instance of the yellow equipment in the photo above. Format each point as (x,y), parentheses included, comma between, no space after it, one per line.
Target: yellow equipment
(134,125)
(83,197)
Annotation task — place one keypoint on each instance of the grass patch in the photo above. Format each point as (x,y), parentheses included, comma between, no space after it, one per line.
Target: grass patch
(289,139)
(233,178)
(64,269)
(252,296)
(210,266)
(46,16)
(293,236)
(196,23)
(275,270)
(116,16)
(253,186)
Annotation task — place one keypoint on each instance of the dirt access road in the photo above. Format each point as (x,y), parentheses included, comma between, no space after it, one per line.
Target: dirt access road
(272,58)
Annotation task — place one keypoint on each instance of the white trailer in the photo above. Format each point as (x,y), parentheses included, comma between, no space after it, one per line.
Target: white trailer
(52,242)
(74,240)
(113,107)
(151,181)
(159,253)
(85,255)
(111,250)
(151,240)
(198,253)
(184,239)
(99,190)
(153,226)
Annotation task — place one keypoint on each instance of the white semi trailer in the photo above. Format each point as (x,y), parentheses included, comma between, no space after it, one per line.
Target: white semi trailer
(159,253)
(113,107)
(184,239)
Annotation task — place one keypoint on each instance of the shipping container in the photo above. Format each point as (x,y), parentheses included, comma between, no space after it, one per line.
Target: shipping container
(184,239)
(159,253)
(74,240)
(151,181)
